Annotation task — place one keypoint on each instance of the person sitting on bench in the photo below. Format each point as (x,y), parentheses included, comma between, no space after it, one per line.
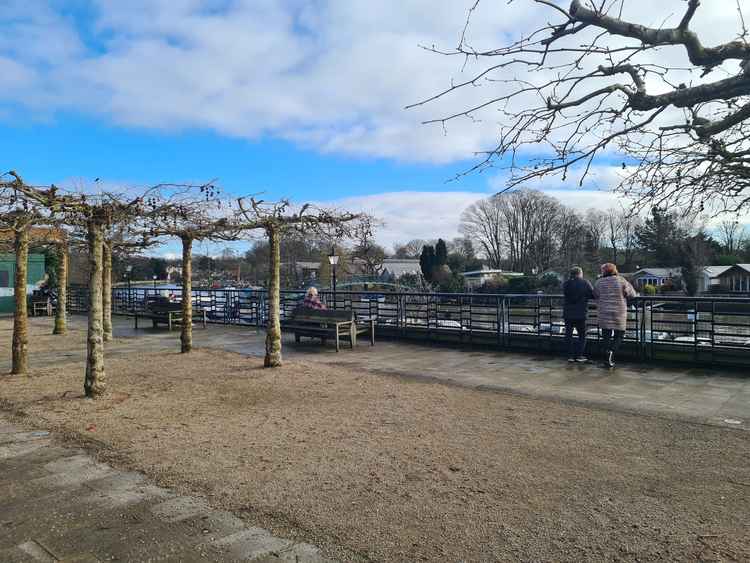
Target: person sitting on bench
(312,301)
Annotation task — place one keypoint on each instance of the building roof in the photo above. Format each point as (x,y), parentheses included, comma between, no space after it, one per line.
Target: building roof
(488,272)
(397,267)
(745,267)
(659,272)
(715,271)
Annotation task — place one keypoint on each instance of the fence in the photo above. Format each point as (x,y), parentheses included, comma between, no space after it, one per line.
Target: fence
(713,331)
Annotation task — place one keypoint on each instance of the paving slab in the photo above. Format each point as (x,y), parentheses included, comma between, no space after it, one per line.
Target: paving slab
(59,504)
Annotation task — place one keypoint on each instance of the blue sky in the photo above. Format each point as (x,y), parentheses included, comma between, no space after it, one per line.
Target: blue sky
(74,146)
(295,98)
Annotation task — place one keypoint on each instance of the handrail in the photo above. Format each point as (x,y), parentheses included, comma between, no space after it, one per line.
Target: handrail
(708,330)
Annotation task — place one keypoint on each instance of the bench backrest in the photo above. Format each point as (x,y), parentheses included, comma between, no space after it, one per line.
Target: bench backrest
(162,305)
(306,315)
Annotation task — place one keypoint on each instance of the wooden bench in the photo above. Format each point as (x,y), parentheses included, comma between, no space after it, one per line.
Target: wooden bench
(42,308)
(325,324)
(161,310)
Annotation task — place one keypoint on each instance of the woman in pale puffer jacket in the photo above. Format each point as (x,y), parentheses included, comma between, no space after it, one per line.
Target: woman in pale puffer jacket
(612,292)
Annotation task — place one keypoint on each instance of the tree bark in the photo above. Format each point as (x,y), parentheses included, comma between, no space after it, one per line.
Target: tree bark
(95,382)
(21,315)
(107,290)
(62,289)
(186,334)
(273,330)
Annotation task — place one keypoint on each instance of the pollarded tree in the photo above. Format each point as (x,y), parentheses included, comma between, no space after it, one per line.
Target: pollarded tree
(95,214)
(27,223)
(190,216)
(595,81)
(278,219)
(19,222)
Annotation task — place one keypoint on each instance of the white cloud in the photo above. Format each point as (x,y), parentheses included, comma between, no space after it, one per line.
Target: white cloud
(333,75)
(409,215)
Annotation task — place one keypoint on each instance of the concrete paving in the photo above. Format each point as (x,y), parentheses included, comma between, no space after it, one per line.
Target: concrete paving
(59,504)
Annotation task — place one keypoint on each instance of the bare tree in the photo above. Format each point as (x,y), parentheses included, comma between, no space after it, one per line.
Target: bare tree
(411,249)
(614,225)
(483,222)
(589,80)
(96,213)
(190,218)
(20,222)
(732,236)
(277,218)
(366,249)
(61,310)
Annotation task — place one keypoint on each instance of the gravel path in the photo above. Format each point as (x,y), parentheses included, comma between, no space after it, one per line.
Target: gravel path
(377,468)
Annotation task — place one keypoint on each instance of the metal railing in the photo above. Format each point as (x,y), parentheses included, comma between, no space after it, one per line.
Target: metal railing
(697,329)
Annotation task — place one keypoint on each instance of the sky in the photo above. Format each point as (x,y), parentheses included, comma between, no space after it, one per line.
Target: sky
(302,99)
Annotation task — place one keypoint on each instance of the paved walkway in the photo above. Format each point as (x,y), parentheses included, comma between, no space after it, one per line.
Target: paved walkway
(58,504)
(705,395)
(714,396)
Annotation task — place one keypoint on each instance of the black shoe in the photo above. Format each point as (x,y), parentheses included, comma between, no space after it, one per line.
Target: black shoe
(571,360)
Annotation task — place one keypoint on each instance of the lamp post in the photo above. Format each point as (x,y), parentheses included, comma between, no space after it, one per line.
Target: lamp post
(154,278)
(129,275)
(333,260)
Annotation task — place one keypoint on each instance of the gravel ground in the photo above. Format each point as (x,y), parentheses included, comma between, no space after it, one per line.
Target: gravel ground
(372,467)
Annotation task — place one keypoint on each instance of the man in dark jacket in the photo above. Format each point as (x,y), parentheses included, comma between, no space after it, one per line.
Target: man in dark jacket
(577,292)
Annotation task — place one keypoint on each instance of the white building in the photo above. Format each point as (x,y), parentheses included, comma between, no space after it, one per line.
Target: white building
(477,278)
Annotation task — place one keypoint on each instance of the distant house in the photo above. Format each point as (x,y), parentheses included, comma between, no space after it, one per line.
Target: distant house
(394,268)
(308,271)
(477,278)
(735,279)
(654,276)
(709,279)
(174,273)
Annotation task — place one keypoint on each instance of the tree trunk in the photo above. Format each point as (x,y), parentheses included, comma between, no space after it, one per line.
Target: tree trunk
(62,289)
(186,334)
(273,330)
(95,383)
(21,316)
(107,290)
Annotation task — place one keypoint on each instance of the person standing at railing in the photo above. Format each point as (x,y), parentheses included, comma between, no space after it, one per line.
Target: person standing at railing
(312,301)
(612,292)
(576,292)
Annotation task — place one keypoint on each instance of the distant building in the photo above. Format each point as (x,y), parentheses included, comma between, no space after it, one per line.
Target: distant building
(735,279)
(709,279)
(174,273)
(36,275)
(654,276)
(478,278)
(394,268)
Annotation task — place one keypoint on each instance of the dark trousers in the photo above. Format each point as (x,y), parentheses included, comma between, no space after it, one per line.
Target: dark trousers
(575,349)
(612,339)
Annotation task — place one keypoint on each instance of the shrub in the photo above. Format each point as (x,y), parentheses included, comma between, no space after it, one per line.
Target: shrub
(649,289)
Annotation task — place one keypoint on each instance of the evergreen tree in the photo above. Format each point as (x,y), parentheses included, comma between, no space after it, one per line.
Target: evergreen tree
(427,261)
(441,253)
(661,237)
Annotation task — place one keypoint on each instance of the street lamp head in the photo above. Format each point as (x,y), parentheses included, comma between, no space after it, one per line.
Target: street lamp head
(155,277)
(332,258)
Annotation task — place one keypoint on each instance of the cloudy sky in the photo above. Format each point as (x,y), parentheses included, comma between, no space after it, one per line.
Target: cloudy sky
(294,98)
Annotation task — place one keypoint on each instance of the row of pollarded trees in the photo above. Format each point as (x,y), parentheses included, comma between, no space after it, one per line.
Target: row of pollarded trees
(111,222)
